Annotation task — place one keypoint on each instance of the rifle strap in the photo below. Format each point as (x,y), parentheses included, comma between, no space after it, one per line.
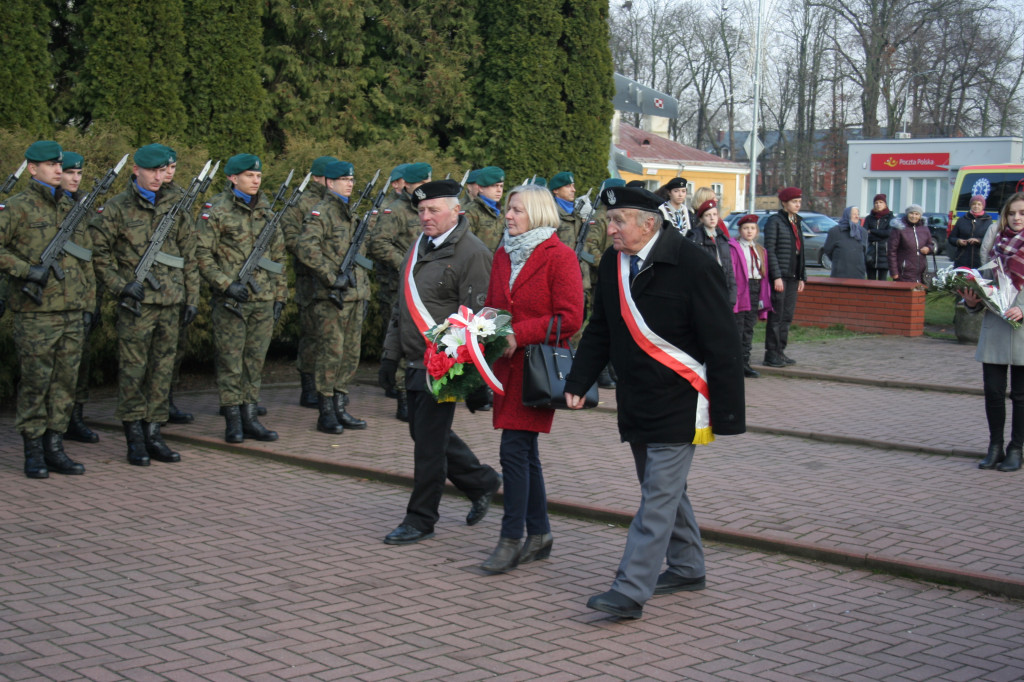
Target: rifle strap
(79,252)
(270,266)
(364,262)
(169,260)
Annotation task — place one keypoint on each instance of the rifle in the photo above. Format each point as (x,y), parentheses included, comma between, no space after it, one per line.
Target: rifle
(12,179)
(352,256)
(255,258)
(463,184)
(581,238)
(153,254)
(282,189)
(61,242)
(365,193)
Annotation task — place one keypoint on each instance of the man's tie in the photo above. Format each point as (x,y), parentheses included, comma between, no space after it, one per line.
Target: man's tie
(634,267)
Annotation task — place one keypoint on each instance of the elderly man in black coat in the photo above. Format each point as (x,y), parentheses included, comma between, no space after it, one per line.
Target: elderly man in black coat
(661,316)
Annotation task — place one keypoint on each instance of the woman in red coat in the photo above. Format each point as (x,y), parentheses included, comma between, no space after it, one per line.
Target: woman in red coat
(534,277)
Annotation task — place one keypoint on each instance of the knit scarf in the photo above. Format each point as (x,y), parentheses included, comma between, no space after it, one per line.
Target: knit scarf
(1007,250)
(521,246)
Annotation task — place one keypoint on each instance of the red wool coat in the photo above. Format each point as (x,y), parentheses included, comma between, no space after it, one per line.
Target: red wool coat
(549,284)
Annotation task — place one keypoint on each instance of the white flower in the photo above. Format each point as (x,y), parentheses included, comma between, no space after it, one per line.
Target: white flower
(451,341)
(482,327)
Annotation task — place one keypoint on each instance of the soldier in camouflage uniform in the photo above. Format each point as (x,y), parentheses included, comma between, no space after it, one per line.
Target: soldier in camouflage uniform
(563,186)
(392,234)
(322,244)
(227,232)
(305,280)
(149,315)
(48,336)
(483,210)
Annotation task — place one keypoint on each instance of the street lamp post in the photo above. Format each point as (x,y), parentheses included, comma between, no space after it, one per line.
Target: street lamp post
(757,105)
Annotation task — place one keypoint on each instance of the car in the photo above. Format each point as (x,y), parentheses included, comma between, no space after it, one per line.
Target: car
(938,224)
(815,229)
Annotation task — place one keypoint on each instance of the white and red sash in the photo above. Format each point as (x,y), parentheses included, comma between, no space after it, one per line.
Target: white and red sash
(667,354)
(420,315)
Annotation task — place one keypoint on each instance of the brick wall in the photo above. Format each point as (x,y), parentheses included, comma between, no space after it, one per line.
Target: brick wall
(862,305)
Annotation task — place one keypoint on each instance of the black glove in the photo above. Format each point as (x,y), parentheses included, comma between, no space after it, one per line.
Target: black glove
(278,309)
(237,291)
(87,319)
(188,315)
(386,375)
(341,282)
(38,274)
(478,398)
(134,290)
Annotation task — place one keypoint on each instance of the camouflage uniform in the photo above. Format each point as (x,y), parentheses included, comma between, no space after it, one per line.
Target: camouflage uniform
(305,281)
(484,223)
(49,336)
(395,230)
(146,344)
(226,233)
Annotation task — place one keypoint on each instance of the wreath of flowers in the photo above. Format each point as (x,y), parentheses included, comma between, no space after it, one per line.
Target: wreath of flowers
(461,350)
(997,297)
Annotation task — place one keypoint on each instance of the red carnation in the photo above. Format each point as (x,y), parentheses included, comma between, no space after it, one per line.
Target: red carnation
(439,364)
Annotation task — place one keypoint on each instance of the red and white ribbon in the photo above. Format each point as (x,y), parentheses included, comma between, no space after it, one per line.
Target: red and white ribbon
(677,360)
(464,319)
(420,315)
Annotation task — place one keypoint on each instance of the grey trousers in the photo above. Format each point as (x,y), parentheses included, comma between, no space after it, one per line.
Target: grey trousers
(664,527)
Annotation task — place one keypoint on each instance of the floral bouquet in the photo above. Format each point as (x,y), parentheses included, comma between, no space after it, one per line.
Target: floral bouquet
(998,296)
(461,349)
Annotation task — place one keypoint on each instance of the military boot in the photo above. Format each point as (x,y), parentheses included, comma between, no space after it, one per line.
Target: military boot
(137,455)
(328,420)
(35,463)
(251,426)
(77,430)
(402,413)
(176,416)
(233,418)
(56,459)
(344,418)
(308,396)
(155,445)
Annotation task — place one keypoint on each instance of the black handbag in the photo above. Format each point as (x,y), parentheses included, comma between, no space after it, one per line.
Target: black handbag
(545,368)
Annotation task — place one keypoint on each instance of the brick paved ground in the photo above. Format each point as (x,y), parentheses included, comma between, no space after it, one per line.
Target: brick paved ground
(226,567)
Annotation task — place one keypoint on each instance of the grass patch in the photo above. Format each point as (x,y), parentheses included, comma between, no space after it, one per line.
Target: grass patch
(799,334)
(938,308)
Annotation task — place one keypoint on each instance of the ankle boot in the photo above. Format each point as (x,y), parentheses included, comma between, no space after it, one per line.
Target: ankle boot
(604,379)
(328,420)
(137,455)
(176,416)
(56,459)
(504,558)
(536,548)
(344,418)
(307,398)
(77,430)
(1012,461)
(402,412)
(995,456)
(251,426)
(233,423)
(155,445)
(35,462)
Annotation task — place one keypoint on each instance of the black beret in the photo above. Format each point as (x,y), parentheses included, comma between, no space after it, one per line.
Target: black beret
(675,183)
(631,197)
(435,190)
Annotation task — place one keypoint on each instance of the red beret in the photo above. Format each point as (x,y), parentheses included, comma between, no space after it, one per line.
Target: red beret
(706,206)
(789,193)
(749,218)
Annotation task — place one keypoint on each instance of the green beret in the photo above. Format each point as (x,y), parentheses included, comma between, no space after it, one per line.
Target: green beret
(416,172)
(471,178)
(561,180)
(339,169)
(435,190)
(491,175)
(44,150)
(396,172)
(239,163)
(320,165)
(152,156)
(72,161)
(538,180)
(172,156)
(614,182)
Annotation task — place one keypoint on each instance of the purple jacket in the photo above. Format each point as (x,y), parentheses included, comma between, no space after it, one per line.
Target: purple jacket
(905,258)
(739,267)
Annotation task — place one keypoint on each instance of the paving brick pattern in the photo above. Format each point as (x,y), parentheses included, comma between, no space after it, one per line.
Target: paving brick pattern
(226,567)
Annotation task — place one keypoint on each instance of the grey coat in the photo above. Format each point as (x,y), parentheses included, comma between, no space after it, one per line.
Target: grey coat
(1000,343)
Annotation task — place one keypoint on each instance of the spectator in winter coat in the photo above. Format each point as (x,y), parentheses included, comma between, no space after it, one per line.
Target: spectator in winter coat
(845,246)
(715,243)
(878,225)
(968,233)
(909,246)
(784,242)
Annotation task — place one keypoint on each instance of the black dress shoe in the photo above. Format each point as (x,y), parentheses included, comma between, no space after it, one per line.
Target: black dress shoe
(480,506)
(774,361)
(616,604)
(750,372)
(406,535)
(670,583)
(786,359)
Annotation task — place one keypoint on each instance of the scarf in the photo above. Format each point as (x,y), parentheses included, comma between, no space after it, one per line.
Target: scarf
(521,246)
(146,194)
(1007,250)
(879,214)
(856,230)
(567,206)
(980,213)
(493,204)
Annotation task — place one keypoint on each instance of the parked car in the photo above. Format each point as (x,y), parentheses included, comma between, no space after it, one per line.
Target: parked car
(938,224)
(815,228)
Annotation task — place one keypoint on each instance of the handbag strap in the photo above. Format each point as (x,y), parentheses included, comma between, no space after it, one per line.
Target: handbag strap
(558,330)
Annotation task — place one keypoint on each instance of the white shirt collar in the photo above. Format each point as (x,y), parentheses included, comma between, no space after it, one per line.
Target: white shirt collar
(439,239)
(646,251)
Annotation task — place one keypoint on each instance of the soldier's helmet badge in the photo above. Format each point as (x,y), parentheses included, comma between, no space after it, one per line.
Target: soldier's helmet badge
(420,194)
(611,198)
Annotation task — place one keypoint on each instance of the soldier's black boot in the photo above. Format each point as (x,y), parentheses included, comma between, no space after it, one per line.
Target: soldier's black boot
(137,455)
(155,444)
(176,416)
(233,418)
(344,418)
(328,420)
(35,463)
(308,396)
(56,459)
(604,379)
(251,426)
(402,413)
(77,430)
